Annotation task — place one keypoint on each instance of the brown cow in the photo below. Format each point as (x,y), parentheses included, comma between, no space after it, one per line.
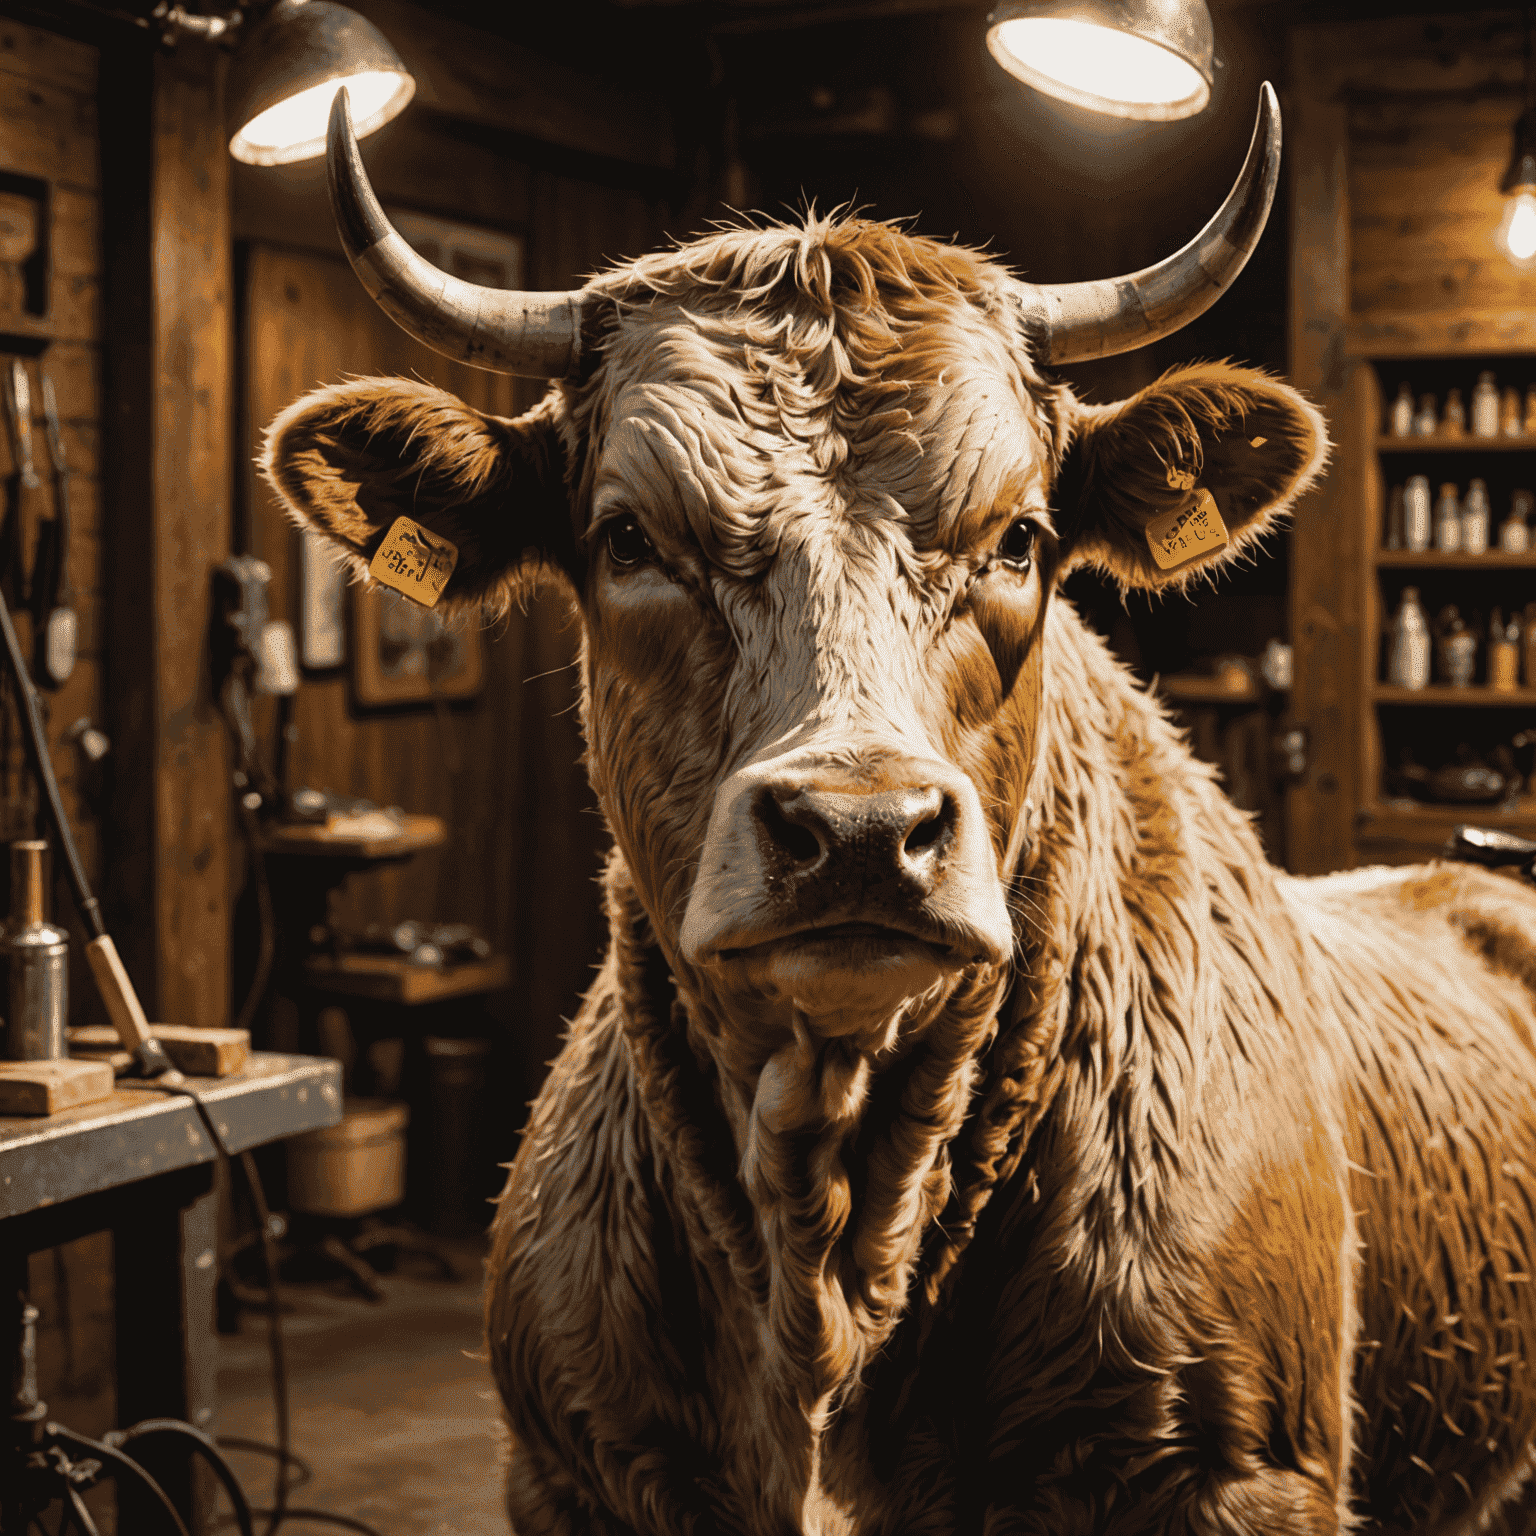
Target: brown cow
(968,1131)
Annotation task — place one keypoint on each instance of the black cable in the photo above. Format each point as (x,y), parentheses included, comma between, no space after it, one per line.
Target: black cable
(280,1513)
(204,1446)
(35,739)
(274,1343)
(266,944)
(127,1464)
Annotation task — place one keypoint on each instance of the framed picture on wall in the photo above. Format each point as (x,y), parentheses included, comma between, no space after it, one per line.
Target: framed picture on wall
(403,653)
(490,257)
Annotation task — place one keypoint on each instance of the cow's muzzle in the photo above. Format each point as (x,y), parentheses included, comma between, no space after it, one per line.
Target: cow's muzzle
(828,879)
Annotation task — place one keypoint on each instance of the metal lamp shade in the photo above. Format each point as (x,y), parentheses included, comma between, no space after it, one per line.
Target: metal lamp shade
(287,70)
(1148,59)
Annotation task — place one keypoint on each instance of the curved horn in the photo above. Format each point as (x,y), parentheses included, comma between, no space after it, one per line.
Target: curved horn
(535,335)
(1119,314)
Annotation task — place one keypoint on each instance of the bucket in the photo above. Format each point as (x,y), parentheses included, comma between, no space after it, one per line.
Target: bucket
(353,1167)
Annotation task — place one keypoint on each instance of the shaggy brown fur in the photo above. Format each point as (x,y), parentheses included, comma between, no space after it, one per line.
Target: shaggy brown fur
(1209,1211)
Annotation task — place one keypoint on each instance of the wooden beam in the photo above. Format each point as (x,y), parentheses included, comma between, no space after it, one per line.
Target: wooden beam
(168,480)
(1325,557)
(479,77)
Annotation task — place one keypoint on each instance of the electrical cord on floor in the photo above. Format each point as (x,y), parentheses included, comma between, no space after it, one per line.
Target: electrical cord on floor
(201,1445)
(281,1512)
(124,1463)
(266,928)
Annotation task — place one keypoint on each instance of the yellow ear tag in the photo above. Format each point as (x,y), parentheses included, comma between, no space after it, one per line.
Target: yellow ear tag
(414,562)
(1187,532)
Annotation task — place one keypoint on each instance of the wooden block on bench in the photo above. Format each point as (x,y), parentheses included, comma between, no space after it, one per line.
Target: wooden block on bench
(197,1052)
(45,1087)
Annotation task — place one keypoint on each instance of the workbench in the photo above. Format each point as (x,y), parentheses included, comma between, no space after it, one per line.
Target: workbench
(140,1164)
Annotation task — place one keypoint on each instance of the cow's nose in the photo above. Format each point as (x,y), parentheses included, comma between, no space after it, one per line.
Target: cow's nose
(893,835)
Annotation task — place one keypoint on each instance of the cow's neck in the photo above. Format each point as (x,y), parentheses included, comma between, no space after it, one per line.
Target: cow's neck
(819,1176)
(1142,892)
(837,1160)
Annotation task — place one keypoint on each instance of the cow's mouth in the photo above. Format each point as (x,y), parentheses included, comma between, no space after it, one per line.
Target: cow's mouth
(857,940)
(841,978)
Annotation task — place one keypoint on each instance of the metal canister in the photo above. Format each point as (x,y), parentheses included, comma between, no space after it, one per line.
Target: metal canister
(34,956)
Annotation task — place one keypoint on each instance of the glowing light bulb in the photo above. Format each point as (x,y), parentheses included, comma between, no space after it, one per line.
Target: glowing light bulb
(294,129)
(1517,232)
(1098,67)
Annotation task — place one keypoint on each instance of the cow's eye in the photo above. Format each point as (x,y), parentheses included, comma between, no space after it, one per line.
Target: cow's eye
(1018,546)
(627,544)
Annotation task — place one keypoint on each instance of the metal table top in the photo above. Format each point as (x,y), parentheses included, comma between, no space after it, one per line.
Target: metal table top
(138,1132)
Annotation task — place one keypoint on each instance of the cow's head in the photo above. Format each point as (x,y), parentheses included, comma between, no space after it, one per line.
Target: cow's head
(812,492)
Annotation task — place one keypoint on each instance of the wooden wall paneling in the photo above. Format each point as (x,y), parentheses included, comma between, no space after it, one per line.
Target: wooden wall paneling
(309,321)
(56,138)
(1324,622)
(526,843)
(1415,114)
(478,77)
(58,141)
(169,427)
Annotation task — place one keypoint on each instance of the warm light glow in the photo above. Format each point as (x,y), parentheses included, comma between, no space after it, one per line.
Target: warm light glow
(1517,233)
(1098,67)
(295,129)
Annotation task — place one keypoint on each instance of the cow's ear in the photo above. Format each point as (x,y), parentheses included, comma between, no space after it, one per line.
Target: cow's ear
(351,458)
(1142,478)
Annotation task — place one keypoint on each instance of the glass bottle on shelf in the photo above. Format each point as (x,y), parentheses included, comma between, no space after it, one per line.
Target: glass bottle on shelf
(1454,423)
(1515,532)
(1396,515)
(1511,423)
(1528,646)
(1418,522)
(1400,418)
(1448,521)
(1503,654)
(1530,410)
(1485,407)
(1475,517)
(1408,644)
(1455,648)
(1425,421)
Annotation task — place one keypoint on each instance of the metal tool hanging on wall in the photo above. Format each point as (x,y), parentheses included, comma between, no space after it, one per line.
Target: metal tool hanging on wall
(112,981)
(18,409)
(56,628)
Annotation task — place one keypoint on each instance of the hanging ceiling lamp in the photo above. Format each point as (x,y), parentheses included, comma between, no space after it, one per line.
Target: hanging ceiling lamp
(1516,234)
(287,70)
(1147,59)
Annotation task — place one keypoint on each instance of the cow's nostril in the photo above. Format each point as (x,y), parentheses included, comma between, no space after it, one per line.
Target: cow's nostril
(926,833)
(799,843)
(933,828)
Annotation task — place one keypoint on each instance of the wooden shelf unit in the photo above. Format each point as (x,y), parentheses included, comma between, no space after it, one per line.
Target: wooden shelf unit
(1405,829)
(1425,828)
(1463,443)
(1442,696)
(1395,145)
(1439,560)
(393,979)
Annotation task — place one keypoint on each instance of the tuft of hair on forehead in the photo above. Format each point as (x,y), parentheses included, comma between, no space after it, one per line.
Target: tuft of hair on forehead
(846,331)
(832,267)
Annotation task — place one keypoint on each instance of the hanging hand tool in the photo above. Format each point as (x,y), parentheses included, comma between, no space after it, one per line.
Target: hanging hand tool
(122,1002)
(55,626)
(19,402)
(18,409)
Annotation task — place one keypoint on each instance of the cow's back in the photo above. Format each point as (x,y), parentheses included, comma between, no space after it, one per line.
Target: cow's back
(1433,974)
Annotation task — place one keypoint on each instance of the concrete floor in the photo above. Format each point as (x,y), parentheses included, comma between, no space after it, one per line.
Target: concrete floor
(389,1405)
